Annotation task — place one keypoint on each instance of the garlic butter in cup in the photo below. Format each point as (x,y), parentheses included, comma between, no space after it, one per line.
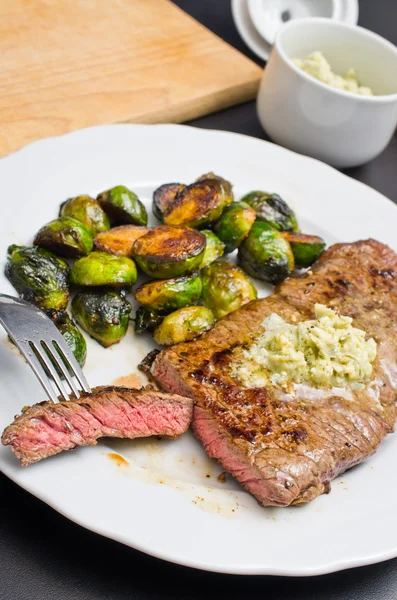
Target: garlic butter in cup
(300,111)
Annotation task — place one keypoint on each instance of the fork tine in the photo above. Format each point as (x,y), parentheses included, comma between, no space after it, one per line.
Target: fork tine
(43,346)
(68,357)
(64,368)
(40,350)
(37,368)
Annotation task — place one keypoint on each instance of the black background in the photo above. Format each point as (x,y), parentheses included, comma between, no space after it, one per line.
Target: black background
(43,556)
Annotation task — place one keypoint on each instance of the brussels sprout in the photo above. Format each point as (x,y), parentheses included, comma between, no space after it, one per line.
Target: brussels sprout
(72,334)
(119,240)
(226,185)
(225,288)
(235,224)
(305,248)
(170,294)
(198,204)
(184,325)
(251,197)
(163,198)
(66,237)
(273,210)
(38,276)
(214,248)
(167,252)
(123,206)
(103,315)
(265,254)
(146,319)
(88,211)
(101,268)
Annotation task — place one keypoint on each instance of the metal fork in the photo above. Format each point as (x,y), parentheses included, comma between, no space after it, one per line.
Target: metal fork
(44,348)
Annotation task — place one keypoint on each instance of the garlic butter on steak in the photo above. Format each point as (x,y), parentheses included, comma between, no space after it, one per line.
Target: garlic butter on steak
(286,448)
(323,352)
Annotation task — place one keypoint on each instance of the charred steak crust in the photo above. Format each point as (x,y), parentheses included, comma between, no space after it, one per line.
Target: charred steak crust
(286,451)
(45,429)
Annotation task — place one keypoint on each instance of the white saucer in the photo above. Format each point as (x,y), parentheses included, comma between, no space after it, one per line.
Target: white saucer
(256,43)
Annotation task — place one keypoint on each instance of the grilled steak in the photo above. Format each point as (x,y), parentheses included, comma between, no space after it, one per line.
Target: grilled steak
(47,428)
(283,448)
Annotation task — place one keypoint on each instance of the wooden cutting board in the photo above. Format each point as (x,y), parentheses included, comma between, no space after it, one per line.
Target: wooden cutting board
(67,64)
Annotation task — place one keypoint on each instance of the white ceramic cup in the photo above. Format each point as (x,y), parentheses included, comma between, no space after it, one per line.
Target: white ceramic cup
(310,117)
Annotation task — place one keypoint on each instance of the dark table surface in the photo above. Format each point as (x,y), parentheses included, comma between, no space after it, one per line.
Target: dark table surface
(43,556)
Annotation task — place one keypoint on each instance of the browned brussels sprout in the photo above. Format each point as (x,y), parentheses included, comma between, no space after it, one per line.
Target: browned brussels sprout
(123,206)
(170,294)
(163,198)
(226,185)
(272,209)
(103,315)
(167,252)
(225,288)
(265,254)
(38,276)
(214,248)
(100,268)
(252,196)
(146,319)
(65,237)
(184,325)
(198,204)
(235,224)
(119,240)
(88,211)
(72,334)
(305,248)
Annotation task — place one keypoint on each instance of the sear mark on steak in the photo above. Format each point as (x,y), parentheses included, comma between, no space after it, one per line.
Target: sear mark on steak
(46,428)
(286,449)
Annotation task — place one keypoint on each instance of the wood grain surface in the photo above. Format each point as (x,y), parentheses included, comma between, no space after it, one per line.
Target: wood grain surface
(68,64)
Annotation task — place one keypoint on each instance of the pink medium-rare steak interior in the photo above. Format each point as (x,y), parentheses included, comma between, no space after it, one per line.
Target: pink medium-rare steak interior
(47,428)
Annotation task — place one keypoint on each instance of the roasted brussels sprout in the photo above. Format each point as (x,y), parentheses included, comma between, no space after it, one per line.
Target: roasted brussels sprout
(214,248)
(170,294)
(88,211)
(65,237)
(226,185)
(72,334)
(225,288)
(38,276)
(123,206)
(103,315)
(198,204)
(119,240)
(146,319)
(163,198)
(167,252)
(272,209)
(101,268)
(235,224)
(184,325)
(265,254)
(251,197)
(305,248)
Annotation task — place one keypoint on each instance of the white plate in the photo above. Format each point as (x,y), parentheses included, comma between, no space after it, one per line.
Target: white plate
(163,503)
(252,37)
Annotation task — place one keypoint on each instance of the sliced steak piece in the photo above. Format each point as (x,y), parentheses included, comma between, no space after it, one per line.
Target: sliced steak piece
(286,448)
(47,428)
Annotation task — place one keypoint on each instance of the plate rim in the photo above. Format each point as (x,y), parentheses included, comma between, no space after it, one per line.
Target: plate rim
(325,569)
(278,147)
